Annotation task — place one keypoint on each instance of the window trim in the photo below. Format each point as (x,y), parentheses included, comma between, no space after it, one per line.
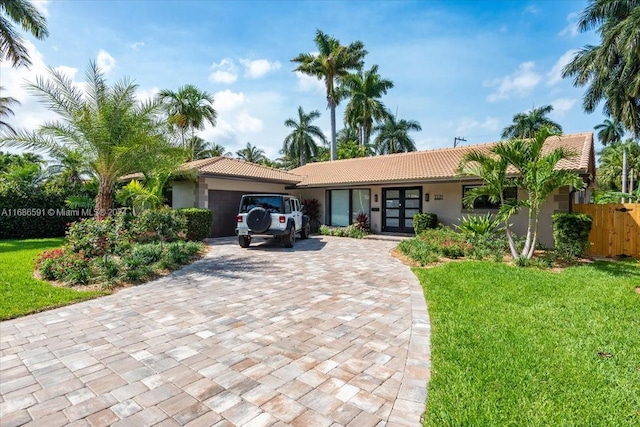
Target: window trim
(350,213)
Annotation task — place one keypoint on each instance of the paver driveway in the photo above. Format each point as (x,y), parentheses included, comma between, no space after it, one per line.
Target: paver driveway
(332,332)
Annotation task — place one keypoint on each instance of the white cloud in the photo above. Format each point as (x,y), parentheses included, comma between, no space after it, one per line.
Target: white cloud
(254,69)
(521,82)
(70,72)
(226,100)
(561,106)
(143,95)
(571,29)
(307,83)
(136,45)
(468,126)
(531,9)
(42,6)
(105,61)
(555,75)
(223,72)
(245,123)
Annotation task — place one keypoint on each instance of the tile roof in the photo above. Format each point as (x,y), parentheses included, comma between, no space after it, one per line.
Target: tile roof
(230,167)
(439,164)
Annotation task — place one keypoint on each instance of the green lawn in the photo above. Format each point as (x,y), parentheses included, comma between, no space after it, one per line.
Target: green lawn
(524,347)
(22,294)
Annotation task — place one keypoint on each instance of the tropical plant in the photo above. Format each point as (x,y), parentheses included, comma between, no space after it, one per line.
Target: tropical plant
(364,91)
(332,62)
(300,143)
(527,124)
(217,150)
(69,169)
(23,13)
(107,126)
(479,225)
(251,153)
(188,109)
(611,70)
(393,135)
(609,176)
(6,111)
(610,131)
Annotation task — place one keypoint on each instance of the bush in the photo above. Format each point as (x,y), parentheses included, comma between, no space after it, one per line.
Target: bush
(487,246)
(571,234)
(479,225)
(424,221)
(145,253)
(362,222)
(199,222)
(352,231)
(95,238)
(312,210)
(429,246)
(65,266)
(162,225)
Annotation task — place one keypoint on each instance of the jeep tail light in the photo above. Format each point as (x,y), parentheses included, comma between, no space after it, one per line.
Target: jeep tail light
(282,219)
(239,218)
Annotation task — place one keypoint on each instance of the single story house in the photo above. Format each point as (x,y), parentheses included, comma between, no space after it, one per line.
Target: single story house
(389,189)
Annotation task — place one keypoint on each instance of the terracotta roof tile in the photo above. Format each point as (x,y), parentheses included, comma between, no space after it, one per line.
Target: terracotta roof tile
(230,167)
(440,164)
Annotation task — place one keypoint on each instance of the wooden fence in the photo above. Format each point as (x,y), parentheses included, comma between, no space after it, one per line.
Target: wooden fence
(615,230)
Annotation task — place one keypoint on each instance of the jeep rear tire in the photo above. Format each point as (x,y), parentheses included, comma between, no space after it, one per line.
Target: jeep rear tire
(244,241)
(305,231)
(258,220)
(289,239)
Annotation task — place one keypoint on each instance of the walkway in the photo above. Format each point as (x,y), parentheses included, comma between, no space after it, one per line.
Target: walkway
(331,332)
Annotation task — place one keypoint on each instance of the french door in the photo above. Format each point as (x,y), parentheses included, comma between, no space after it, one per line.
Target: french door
(400,204)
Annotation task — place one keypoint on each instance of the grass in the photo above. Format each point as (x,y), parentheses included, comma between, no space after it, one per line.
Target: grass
(524,347)
(21,292)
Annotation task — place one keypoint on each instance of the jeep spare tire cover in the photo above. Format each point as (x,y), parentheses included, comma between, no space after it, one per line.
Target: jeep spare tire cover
(258,220)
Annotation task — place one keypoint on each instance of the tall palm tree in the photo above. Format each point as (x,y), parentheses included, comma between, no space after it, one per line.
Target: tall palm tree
(610,131)
(6,111)
(114,132)
(70,167)
(188,109)
(333,62)
(610,71)
(218,150)
(251,153)
(527,124)
(364,91)
(393,135)
(300,143)
(23,13)
(609,175)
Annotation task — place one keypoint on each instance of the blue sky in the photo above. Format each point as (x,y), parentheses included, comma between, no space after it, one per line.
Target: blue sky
(460,68)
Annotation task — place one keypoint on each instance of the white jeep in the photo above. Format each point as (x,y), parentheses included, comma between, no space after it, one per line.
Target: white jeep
(271,215)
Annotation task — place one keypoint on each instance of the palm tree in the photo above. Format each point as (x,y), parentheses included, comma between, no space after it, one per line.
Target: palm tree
(610,131)
(537,175)
(609,175)
(332,62)
(188,109)
(251,154)
(114,132)
(527,124)
(300,143)
(23,13)
(349,147)
(218,150)
(70,168)
(611,70)
(393,135)
(6,111)
(364,91)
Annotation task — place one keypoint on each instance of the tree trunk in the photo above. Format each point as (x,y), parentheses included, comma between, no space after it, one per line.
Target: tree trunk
(332,105)
(528,241)
(624,172)
(512,244)
(104,199)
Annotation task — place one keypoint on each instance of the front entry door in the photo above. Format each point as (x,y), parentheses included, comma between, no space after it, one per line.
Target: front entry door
(400,206)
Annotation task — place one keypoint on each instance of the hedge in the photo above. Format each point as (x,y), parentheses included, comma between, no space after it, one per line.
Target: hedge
(422,221)
(199,222)
(571,233)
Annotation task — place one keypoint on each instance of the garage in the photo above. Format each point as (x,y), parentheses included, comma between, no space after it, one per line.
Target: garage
(224,205)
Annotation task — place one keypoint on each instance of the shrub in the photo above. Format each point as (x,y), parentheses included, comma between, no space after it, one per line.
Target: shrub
(362,222)
(479,225)
(434,243)
(47,261)
(146,253)
(312,210)
(199,222)
(65,266)
(162,225)
(571,234)
(108,270)
(487,246)
(424,221)
(96,238)
(352,231)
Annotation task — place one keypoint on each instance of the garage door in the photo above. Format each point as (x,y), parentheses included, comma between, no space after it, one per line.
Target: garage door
(224,205)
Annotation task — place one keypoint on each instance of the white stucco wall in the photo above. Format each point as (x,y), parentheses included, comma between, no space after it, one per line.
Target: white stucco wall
(243,185)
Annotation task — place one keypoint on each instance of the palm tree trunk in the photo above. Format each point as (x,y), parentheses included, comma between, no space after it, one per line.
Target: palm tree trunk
(535,235)
(528,242)
(512,244)
(104,199)
(332,105)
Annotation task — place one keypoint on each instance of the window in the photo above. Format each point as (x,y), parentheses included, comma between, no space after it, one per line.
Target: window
(270,203)
(345,205)
(483,202)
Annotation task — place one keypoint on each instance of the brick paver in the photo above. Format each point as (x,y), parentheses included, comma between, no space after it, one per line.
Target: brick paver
(331,332)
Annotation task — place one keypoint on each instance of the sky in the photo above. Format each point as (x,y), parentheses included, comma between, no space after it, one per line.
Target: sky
(460,68)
